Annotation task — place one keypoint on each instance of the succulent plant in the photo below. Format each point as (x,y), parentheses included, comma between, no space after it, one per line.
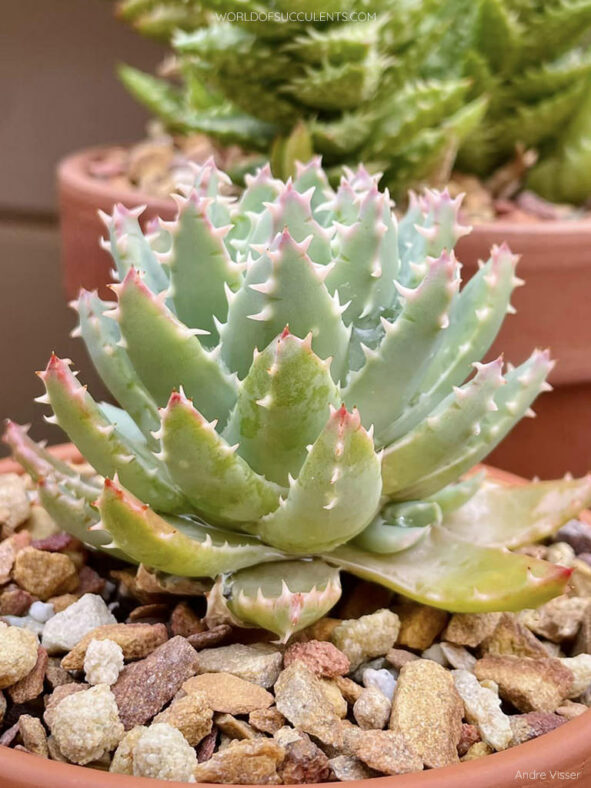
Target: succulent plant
(300,393)
(399,86)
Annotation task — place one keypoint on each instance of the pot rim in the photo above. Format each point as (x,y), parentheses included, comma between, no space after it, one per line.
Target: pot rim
(72,172)
(565,749)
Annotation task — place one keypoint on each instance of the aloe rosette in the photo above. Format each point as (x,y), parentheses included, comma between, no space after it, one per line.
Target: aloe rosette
(300,393)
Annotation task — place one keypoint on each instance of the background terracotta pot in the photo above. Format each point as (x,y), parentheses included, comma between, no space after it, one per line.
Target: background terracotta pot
(552,310)
(559,758)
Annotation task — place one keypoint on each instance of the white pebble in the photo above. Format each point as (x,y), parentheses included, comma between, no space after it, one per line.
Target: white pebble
(381,679)
(65,629)
(24,622)
(103,662)
(41,611)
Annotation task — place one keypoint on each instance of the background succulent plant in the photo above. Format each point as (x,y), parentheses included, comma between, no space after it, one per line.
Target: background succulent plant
(290,368)
(399,86)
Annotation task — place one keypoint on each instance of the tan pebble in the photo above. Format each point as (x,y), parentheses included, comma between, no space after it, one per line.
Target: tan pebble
(44,574)
(304,763)
(399,657)
(33,735)
(191,715)
(349,689)
(334,697)
(348,768)
(259,663)
(266,720)
(582,644)
(184,621)
(372,709)
(478,750)
(55,674)
(250,762)
(40,524)
(570,710)
(233,727)
(387,752)
(529,684)
(558,619)
(370,636)
(419,625)
(560,553)
(135,640)
(470,629)
(580,580)
(54,751)
(511,637)
(580,667)
(122,762)
(319,630)
(428,711)
(18,654)
(301,698)
(14,501)
(228,693)
(8,551)
(158,583)
(62,601)
(31,686)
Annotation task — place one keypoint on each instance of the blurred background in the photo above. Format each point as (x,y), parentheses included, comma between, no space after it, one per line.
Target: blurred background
(59,93)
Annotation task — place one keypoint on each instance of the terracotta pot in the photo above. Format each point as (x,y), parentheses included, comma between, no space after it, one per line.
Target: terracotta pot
(559,758)
(552,310)
(81,196)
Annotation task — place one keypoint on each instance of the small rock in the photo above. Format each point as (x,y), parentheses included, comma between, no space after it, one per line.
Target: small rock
(233,728)
(61,602)
(103,662)
(206,748)
(14,502)
(300,697)
(387,752)
(15,602)
(458,656)
(577,534)
(266,720)
(86,725)
(210,637)
(3,706)
(89,582)
(347,768)
(259,663)
(18,654)
(583,642)
(529,684)
(580,667)
(304,762)
(136,641)
(374,664)
(382,680)
(511,637)
(66,629)
(580,580)
(56,676)
(419,625)
(159,582)
(372,710)
(228,693)
(184,621)
(470,629)
(41,611)
(560,553)
(571,710)
(478,750)
(54,750)
(25,622)
(54,542)
(323,658)
(436,654)
(145,687)
(122,762)
(367,637)
(558,619)
(33,735)
(191,715)
(428,711)
(348,688)
(470,735)
(59,693)
(483,709)
(248,762)
(155,612)
(534,724)
(44,574)
(319,630)
(8,550)
(31,686)
(399,657)
(163,753)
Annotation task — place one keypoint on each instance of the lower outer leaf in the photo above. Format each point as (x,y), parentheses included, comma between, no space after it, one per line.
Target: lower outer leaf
(175,545)
(513,515)
(284,597)
(449,573)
